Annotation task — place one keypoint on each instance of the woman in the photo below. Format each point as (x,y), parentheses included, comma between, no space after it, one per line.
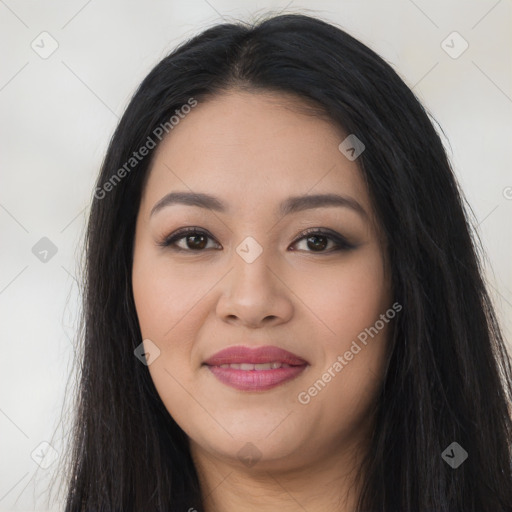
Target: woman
(284,308)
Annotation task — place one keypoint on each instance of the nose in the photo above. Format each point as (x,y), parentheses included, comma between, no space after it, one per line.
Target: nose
(254,295)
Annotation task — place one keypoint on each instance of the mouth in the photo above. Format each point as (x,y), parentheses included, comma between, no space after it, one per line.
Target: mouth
(255,369)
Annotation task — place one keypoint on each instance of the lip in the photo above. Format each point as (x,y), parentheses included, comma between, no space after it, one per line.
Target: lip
(257,355)
(255,380)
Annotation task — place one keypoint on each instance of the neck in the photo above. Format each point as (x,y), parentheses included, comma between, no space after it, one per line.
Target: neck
(328,484)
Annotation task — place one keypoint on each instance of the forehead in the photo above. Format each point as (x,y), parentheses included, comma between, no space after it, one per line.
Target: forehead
(253,149)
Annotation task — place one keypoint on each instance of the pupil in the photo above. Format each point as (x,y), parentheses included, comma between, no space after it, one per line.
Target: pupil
(195,245)
(314,241)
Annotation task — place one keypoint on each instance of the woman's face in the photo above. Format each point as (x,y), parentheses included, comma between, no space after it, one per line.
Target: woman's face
(253,277)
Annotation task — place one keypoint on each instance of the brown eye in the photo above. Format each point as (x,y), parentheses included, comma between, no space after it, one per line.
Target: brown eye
(198,241)
(318,240)
(188,239)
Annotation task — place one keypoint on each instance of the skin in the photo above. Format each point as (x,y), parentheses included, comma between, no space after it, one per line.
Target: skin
(253,150)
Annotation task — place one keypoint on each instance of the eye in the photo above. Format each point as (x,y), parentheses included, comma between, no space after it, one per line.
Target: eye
(317,239)
(194,239)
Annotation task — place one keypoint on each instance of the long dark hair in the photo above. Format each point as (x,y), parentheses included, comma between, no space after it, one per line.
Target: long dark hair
(449,377)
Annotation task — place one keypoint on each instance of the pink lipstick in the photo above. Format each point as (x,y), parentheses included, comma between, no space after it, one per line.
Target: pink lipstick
(255,369)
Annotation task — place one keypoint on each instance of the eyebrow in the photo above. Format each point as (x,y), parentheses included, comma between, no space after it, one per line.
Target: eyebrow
(290,205)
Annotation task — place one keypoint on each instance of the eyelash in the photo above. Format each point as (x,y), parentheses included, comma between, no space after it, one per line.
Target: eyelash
(340,243)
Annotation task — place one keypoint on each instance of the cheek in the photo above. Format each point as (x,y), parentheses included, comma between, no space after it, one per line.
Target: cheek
(166,300)
(348,301)
(165,293)
(346,298)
